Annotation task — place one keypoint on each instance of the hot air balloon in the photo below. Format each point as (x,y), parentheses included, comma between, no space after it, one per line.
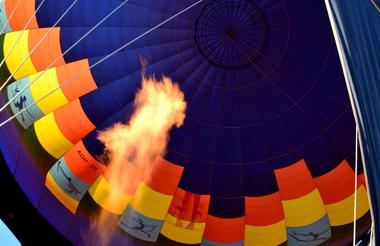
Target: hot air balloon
(267,151)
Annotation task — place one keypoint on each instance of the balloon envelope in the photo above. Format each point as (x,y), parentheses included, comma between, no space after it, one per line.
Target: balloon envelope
(267,149)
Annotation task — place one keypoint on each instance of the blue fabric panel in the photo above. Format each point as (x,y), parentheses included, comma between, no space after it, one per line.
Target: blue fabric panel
(228,181)
(259,179)
(161,59)
(139,225)
(313,234)
(4,25)
(67,181)
(203,172)
(104,102)
(227,207)
(104,40)
(89,12)
(22,101)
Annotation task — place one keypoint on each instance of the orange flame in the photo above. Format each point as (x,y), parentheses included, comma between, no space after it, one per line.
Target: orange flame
(132,148)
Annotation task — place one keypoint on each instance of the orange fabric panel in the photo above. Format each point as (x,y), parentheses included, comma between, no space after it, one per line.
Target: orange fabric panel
(82,164)
(48,51)
(164,176)
(76,79)
(222,230)
(337,184)
(189,206)
(23,11)
(294,181)
(361,177)
(263,210)
(73,121)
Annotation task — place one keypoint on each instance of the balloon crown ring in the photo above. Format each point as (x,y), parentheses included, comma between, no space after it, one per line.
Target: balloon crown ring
(231,34)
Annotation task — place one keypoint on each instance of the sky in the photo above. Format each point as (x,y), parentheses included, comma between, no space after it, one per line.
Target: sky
(6,236)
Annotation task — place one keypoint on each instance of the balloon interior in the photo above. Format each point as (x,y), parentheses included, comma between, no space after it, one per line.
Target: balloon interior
(236,129)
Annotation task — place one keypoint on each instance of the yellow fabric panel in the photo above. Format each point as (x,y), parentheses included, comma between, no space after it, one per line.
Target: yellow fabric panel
(70,203)
(266,235)
(51,137)
(41,87)
(304,210)
(151,203)
(19,52)
(109,197)
(182,234)
(342,212)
